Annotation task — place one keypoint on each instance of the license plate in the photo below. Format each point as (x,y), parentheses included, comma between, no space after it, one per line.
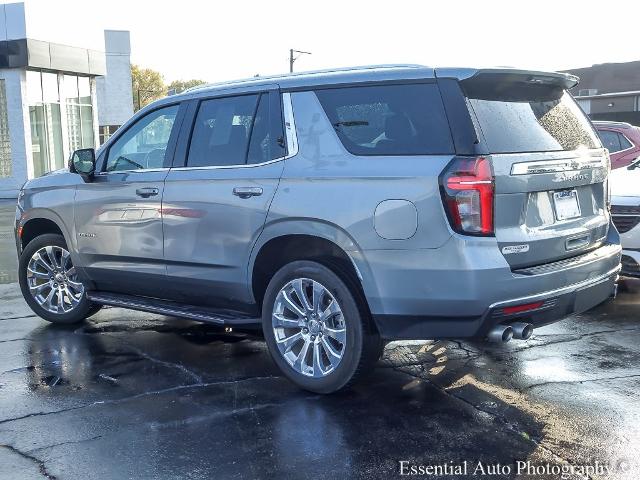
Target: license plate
(567,206)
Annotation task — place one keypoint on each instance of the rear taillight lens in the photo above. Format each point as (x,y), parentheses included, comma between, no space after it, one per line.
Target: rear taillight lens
(467,189)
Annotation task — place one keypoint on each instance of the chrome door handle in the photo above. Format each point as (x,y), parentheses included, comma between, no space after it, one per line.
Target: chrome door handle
(147,192)
(246,192)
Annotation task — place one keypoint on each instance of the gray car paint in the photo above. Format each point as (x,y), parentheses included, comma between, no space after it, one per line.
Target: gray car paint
(322,191)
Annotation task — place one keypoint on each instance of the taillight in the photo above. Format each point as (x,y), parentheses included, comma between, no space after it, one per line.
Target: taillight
(468,192)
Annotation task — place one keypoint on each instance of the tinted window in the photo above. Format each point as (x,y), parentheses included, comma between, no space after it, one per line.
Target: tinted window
(144,144)
(610,140)
(221,131)
(389,119)
(518,117)
(267,136)
(624,143)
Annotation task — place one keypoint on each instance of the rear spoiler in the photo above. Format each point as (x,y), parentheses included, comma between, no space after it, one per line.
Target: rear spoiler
(491,75)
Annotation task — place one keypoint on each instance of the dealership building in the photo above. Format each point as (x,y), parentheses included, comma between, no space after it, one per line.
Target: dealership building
(55,98)
(609,91)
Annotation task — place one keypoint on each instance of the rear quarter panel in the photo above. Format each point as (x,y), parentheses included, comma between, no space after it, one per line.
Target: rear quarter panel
(325,184)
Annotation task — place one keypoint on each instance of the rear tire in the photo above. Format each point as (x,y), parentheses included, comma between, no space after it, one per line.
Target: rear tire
(323,345)
(49,282)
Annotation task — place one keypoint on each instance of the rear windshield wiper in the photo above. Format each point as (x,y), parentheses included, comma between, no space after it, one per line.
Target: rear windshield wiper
(351,123)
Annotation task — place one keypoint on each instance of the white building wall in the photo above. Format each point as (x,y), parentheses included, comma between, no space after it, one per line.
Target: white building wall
(114,95)
(19,133)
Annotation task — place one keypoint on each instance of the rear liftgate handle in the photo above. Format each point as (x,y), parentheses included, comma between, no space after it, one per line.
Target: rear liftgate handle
(246,192)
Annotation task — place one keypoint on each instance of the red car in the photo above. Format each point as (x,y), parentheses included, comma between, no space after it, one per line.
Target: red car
(622,140)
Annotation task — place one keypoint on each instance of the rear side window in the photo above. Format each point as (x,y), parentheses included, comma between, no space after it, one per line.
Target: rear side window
(389,119)
(610,140)
(516,117)
(221,131)
(613,141)
(237,130)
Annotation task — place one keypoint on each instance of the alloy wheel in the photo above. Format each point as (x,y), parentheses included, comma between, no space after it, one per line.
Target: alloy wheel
(52,280)
(309,327)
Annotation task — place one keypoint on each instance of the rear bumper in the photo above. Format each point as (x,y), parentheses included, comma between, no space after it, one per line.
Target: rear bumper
(466,285)
(556,305)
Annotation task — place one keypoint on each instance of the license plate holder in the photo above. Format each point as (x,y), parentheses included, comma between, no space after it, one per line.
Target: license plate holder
(566,204)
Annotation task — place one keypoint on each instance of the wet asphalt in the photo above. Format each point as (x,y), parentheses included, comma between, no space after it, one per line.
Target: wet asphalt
(135,395)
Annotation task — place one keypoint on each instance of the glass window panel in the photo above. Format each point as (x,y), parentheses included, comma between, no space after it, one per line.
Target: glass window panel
(84,90)
(389,119)
(86,120)
(143,145)
(54,136)
(70,88)
(34,87)
(221,131)
(50,92)
(624,142)
(5,141)
(38,140)
(73,127)
(610,140)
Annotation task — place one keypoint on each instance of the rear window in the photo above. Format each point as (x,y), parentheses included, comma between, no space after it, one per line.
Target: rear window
(389,119)
(515,118)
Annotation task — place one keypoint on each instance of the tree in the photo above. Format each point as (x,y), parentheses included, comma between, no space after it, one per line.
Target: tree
(181,85)
(148,85)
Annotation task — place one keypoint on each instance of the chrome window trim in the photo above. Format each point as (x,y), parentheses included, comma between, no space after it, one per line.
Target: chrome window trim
(135,170)
(290,132)
(556,165)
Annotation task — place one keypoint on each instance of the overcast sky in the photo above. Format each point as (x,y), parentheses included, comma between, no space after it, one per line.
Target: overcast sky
(218,40)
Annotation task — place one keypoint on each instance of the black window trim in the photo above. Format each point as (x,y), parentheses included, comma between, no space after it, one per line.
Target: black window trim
(380,83)
(184,142)
(171,144)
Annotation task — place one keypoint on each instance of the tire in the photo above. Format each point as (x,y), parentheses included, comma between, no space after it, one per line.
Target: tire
(75,306)
(359,348)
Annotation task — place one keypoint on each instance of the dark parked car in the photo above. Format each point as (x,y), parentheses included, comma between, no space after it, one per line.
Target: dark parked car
(622,140)
(335,210)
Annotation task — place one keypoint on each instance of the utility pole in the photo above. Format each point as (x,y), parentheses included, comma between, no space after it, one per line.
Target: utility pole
(293,59)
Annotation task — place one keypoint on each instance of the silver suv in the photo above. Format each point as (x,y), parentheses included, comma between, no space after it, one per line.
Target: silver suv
(335,210)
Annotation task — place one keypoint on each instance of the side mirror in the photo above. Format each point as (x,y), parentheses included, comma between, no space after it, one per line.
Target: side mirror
(83,162)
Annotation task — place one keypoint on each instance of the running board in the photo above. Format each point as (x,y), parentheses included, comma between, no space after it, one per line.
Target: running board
(227,318)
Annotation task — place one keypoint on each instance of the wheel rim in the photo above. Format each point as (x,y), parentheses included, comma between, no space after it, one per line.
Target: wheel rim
(53,281)
(309,327)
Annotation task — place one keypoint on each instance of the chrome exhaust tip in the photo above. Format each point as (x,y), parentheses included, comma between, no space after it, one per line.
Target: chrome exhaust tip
(522,331)
(500,334)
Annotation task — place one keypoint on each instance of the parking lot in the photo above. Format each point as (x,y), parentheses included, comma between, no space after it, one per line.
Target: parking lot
(135,395)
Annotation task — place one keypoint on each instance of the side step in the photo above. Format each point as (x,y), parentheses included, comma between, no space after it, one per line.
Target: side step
(227,318)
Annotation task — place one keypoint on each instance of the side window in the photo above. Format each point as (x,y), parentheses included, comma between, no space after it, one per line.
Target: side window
(389,119)
(267,133)
(610,140)
(624,143)
(221,131)
(144,144)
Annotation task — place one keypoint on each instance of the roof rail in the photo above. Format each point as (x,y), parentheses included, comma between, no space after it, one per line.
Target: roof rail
(299,74)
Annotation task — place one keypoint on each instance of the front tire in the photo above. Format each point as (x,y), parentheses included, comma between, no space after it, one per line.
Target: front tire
(49,282)
(315,328)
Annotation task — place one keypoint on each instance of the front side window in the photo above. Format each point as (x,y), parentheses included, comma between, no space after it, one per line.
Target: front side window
(389,119)
(144,144)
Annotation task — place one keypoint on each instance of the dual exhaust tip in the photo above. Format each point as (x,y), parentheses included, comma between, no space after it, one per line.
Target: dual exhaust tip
(503,333)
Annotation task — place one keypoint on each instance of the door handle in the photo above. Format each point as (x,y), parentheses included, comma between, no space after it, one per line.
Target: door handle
(246,192)
(147,192)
